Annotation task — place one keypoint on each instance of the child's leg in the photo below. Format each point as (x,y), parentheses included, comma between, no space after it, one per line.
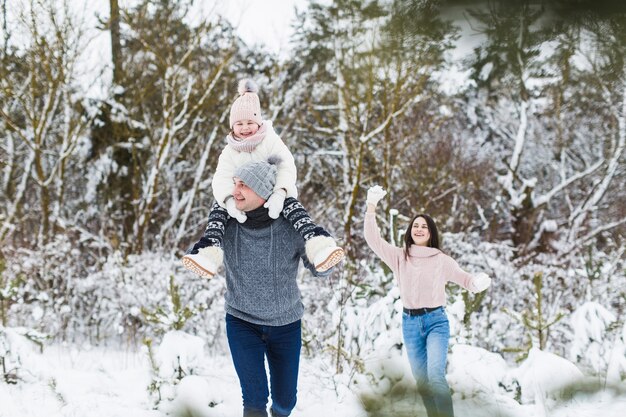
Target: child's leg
(300,220)
(214,231)
(321,248)
(206,256)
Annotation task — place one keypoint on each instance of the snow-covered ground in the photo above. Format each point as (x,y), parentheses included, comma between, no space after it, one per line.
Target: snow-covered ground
(105,382)
(85,381)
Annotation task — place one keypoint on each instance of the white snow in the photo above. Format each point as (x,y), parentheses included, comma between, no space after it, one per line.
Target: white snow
(544,378)
(112,382)
(179,350)
(590,322)
(474,370)
(550,226)
(616,367)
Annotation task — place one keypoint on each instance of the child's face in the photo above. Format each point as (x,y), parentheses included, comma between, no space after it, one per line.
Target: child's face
(245,128)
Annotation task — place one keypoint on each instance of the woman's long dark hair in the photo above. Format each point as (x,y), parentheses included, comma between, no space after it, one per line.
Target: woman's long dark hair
(433,242)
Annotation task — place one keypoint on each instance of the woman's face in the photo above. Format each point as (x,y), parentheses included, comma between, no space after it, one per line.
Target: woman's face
(420,232)
(245,128)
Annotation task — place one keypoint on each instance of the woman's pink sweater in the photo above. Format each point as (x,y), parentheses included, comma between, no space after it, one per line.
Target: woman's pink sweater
(422,277)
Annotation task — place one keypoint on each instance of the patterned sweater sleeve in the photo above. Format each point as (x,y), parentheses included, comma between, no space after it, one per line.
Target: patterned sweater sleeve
(391,255)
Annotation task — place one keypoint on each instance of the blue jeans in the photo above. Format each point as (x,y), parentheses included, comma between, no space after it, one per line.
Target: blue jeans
(426,340)
(249,345)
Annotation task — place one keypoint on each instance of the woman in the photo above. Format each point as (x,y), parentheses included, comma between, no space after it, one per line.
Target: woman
(422,270)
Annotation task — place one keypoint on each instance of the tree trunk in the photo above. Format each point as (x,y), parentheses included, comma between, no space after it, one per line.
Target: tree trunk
(44,196)
(116,46)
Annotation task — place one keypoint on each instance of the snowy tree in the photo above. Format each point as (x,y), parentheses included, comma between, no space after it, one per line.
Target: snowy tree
(503,69)
(172,104)
(364,67)
(42,125)
(557,161)
(600,211)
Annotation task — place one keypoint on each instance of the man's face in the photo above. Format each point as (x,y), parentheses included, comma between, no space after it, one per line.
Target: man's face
(245,198)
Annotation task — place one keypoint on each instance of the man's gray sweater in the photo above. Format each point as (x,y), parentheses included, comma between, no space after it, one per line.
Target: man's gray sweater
(261,267)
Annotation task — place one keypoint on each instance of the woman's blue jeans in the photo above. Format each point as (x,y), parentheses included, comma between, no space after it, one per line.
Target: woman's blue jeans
(426,340)
(249,345)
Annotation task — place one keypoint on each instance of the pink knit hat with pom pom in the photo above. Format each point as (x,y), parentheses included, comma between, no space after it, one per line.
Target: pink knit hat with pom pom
(247,106)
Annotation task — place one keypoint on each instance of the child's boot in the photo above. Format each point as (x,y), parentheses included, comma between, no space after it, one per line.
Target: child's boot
(206,256)
(206,262)
(323,252)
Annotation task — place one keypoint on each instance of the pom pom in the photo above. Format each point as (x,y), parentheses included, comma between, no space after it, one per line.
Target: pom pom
(247,86)
(274,159)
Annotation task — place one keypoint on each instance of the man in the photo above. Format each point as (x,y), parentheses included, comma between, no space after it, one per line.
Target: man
(263,302)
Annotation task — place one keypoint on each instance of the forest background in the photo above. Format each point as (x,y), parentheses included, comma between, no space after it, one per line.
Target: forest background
(506,121)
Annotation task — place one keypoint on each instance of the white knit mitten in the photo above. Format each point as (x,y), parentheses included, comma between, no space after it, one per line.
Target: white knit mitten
(275,203)
(480,282)
(375,194)
(234,212)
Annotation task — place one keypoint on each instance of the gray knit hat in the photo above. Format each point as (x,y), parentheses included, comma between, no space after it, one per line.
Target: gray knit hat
(260,176)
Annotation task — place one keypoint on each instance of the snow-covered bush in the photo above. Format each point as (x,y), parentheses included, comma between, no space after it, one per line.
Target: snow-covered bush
(8,292)
(47,276)
(194,397)
(18,358)
(536,318)
(118,292)
(592,343)
(363,315)
(376,331)
(174,315)
(370,329)
(482,322)
(177,386)
(73,301)
(473,371)
(545,378)
(616,372)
